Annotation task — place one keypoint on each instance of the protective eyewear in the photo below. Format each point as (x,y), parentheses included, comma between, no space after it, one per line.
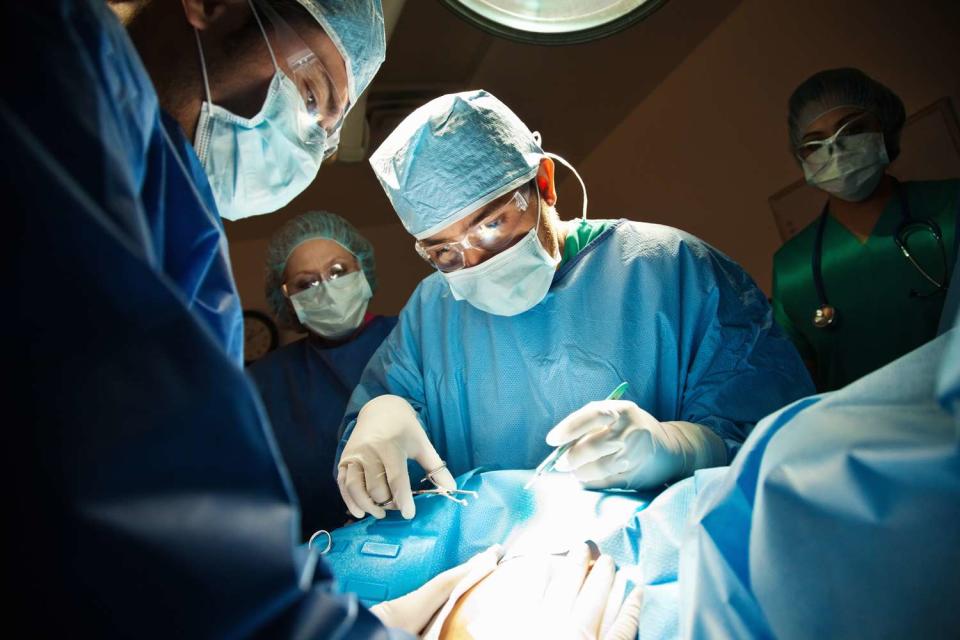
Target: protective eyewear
(493,234)
(323,104)
(307,279)
(818,152)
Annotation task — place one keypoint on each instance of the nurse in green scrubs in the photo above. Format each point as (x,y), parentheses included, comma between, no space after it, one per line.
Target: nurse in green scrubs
(865,282)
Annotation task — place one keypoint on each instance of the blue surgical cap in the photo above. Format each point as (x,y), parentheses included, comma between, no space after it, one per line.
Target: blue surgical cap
(309,226)
(356,28)
(451,156)
(835,88)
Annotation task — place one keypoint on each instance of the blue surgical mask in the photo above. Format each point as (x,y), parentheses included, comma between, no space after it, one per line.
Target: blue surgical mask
(510,282)
(334,309)
(258,165)
(850,170)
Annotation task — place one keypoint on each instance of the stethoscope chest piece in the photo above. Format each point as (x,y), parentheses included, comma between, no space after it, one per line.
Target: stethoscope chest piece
(824,316)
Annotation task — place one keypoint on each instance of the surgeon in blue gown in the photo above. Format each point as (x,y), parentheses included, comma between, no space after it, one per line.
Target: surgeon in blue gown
(529,320)
(321,276)
(144,493)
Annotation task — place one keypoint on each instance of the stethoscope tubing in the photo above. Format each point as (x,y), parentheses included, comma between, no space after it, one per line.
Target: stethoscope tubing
(906,221)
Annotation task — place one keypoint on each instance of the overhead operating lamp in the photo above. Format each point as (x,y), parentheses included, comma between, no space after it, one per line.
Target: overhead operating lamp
(553,21)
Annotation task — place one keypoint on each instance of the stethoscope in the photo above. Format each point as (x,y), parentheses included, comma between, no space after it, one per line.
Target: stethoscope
(826,314)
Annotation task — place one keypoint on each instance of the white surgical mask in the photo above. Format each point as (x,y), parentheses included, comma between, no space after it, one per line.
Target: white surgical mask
(258,165)
(851,171)
(335,308)
(510,282)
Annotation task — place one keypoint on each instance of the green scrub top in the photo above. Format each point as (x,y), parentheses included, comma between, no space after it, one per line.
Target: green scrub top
(581,233)
(869,284)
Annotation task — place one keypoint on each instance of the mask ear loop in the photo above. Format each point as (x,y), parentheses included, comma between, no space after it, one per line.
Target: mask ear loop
(264,32)
(203,67)
(583,187)
(203,60)
(539,211)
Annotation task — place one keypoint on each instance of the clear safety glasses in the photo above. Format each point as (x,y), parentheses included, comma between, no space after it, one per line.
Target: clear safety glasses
(323,103)
(308,279)
(493,234)
(817,152)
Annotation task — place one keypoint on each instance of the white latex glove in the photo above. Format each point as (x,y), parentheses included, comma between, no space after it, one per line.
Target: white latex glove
(413,611)
(621,618)
(628,448)
(373,466)
(544,596)
(600,610)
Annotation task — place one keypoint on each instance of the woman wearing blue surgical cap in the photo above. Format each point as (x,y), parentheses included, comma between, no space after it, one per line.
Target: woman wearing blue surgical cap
(865,282)
(321,276)
(530,321)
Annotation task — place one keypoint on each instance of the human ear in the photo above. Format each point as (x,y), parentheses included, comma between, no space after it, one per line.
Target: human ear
(202,14)
(545,183)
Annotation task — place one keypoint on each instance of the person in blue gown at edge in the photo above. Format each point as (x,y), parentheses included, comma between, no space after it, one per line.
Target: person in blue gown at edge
(151,499)
(321,275)
(530,321)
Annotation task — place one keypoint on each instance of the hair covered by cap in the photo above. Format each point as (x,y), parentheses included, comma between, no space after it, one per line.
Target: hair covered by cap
(451,156)
(357,30)
(310,226)
(846,87)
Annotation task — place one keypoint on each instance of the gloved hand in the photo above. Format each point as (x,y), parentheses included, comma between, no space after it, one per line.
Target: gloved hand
(413,611)
(544,596)
(373,466)
(587,609)
(628,448)
(621,617)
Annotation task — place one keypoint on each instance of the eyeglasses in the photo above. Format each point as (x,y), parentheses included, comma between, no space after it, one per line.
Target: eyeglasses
(323,103)
(307,279)
(819,151)
(492,234)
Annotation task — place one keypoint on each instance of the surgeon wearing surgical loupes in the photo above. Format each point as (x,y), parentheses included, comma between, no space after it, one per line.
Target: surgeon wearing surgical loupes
(529,320)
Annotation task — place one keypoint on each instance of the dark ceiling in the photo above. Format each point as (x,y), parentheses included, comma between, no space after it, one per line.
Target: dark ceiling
(574,95)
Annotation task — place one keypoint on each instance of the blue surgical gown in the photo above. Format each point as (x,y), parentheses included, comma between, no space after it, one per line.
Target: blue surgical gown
(305,387)
(143,491)
(642,303)
(840,517)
